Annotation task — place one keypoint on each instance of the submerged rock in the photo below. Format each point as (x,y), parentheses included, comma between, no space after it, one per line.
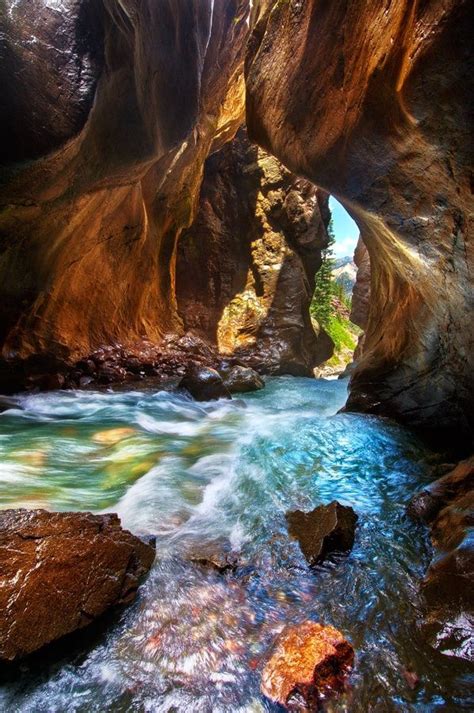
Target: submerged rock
(241,379)
(326,529)
(309,662)
(204,384)
(60,572)
(219,556)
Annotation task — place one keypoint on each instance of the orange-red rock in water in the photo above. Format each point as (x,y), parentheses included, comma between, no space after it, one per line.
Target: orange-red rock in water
(309,662)
(372,101)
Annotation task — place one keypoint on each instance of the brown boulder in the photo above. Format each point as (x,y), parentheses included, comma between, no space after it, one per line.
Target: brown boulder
(241,379)
(309,662)
(204,384)
(326,529)
(216,555)
(60,572)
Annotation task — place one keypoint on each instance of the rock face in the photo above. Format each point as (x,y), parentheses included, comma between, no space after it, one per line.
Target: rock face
(324,530)
(447,506)
(448,593)
(241,379)
(60,571)
(361,292)
(380,118)
(309,662)
(361,295)
(204,384)
(246,267)
(102,170)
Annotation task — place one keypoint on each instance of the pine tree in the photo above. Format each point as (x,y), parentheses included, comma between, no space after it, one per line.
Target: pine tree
(321,304)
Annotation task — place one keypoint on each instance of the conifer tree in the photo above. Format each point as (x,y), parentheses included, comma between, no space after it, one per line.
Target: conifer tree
(323,292)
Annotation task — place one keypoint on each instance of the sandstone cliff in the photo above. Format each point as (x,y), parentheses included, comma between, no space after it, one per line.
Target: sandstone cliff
(110,112)
(246,267)
(370,101)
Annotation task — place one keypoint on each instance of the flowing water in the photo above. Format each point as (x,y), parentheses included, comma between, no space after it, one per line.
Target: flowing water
(196,475)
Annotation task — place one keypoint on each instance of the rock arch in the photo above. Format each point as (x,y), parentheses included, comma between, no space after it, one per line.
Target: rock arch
(368,100)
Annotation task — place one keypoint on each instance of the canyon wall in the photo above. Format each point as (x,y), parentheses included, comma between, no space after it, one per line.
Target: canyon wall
(109,113)
(361,294)
(246,267)
(370,101)
(110,110)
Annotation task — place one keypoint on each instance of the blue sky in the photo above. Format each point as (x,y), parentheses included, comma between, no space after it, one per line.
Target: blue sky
(345,230)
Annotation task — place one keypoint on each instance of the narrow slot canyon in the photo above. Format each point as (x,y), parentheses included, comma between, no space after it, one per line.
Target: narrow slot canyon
(236,356)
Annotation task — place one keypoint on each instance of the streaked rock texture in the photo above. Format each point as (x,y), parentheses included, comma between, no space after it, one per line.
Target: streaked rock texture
(60,571)
(246,267)
(371,101)
(109,111)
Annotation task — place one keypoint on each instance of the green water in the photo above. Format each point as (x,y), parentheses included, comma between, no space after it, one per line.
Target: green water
(194,473)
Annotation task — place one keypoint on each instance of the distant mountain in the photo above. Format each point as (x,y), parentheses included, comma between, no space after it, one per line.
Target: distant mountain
(341,261)
(345,273)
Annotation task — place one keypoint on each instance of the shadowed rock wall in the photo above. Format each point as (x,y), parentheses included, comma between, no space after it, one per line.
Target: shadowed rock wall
(371,101)
(109,112)
(246,267)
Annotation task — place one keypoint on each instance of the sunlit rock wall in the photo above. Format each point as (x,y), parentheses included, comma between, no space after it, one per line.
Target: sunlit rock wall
(372,102)
(246,267)
(109,110)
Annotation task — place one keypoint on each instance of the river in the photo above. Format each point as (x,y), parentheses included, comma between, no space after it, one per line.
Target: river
(194,474)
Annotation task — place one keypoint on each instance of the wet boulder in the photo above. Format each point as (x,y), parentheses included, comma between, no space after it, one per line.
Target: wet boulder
(204,384)
(448,594)
(324,530)
(60,572)
(218,556)
(242,379)
(447,507)
(444,492)
(309,662)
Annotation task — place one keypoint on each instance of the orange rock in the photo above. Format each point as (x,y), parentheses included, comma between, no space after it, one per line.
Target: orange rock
(308,660)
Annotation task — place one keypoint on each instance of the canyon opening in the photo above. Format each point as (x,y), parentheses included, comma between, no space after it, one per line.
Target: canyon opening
(236,356)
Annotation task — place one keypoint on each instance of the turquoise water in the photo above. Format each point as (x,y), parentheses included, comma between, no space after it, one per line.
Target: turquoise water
(193,474)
